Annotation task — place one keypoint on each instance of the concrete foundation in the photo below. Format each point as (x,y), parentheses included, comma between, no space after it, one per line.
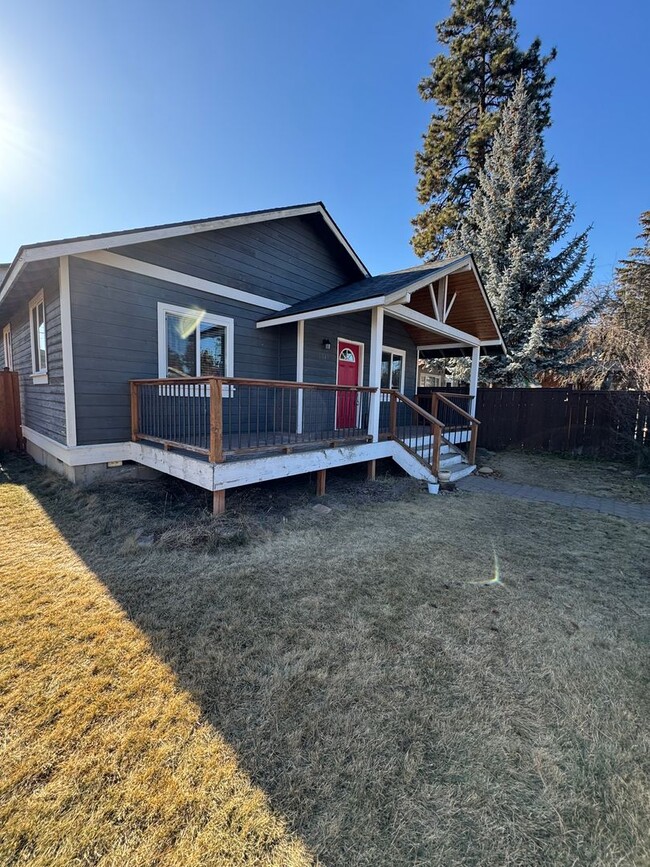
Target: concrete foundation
(86,474)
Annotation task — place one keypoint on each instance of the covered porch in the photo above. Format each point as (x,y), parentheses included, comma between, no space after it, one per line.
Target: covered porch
(221,420)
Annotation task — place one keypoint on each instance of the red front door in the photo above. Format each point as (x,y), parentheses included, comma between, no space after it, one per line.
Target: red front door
(347,374)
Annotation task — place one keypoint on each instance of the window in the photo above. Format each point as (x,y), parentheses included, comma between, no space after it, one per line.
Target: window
(347,355)
(193,343)
(393,364)
(6,346)
(38,337)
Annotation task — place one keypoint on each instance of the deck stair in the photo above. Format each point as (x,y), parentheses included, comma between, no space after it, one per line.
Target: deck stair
(448,445)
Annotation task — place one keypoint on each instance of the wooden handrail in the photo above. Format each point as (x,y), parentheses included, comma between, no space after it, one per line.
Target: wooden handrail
(460,411)
(407,400)
(269,383)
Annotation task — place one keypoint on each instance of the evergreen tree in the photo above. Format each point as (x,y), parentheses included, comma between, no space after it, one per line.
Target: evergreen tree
(469,84)
(516,226)
(632,298)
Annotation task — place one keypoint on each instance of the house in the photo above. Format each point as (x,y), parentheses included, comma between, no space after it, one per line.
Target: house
(237,349)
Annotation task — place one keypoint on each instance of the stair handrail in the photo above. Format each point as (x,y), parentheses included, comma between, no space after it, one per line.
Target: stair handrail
(437,428)
(474,422)
(445,399)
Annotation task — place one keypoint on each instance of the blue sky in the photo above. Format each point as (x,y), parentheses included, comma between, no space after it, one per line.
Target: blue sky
(122,114)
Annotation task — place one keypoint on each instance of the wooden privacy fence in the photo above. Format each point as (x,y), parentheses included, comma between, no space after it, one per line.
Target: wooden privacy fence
(10,430)
(606,424)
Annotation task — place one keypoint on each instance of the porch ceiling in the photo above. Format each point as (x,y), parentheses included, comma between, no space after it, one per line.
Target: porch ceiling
(469,312)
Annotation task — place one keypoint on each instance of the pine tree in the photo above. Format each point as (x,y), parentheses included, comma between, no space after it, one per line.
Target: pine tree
(469,84)
(516,226)
(633,291)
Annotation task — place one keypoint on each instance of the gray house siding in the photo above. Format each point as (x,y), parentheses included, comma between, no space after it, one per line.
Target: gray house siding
(43,406)
(114,312)
(115,339)
(286,260)
(321,364)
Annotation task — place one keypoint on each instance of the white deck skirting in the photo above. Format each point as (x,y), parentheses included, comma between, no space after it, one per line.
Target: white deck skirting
(231,474)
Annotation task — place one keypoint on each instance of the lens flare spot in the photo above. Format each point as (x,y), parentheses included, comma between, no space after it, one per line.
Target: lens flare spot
(496,574)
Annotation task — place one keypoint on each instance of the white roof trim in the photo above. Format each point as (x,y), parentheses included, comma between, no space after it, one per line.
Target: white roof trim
(179,278)
(322,312)
(122,239)
(412,317)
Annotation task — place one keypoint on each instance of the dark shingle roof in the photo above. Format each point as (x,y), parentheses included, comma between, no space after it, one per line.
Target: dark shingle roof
(369,287)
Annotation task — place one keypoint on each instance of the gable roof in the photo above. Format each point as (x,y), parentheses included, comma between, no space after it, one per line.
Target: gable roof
(380,287)
(105,240)
(390,288)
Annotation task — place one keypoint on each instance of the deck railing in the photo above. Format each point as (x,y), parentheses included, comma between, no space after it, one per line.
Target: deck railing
(424,432)
(461,428)
(414,428)
(225,417)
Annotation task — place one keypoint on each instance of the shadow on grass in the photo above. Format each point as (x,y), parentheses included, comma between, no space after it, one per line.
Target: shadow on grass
(246,611)
(395,709)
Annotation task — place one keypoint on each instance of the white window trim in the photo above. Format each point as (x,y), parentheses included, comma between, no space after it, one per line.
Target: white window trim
(39,376)
(7,347)
(212,319)
(401,352)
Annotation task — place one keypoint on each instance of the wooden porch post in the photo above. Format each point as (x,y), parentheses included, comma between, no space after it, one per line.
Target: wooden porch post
(321,476)
(371,470)
(473,379)
(374,378)
(216,422)
(300,370)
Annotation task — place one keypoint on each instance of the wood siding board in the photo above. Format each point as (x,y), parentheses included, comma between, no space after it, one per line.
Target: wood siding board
(285,265)
(115,339)
(43,405)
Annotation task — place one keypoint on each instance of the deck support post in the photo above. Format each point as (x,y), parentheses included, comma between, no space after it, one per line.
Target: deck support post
(218,502)
(374,378)
(473,379)
(371,470)
(321,476)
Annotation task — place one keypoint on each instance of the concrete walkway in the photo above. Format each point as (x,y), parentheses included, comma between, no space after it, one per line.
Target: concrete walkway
(604,505)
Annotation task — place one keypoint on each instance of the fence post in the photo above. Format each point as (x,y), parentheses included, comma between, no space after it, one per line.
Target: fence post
(216,422)
(135,420)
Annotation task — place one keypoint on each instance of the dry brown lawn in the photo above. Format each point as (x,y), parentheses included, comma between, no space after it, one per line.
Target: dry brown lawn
(581,476)
(276,687)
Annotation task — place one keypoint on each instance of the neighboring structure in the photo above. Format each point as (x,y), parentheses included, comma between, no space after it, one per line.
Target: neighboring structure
(237,349)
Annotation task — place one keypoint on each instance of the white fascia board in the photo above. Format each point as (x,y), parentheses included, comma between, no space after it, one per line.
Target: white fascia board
(500,341)
(232,474)
(12,275)
(179,278)
(350,307)
(88,245)
(458,345)
(412,317)
(423,282)
(123,239)
(442,346)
